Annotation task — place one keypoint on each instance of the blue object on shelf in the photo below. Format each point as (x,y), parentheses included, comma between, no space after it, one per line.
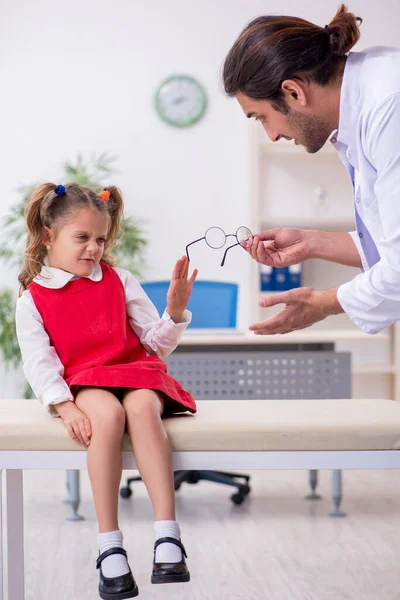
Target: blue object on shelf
(294,276)
(213,303)
(267,278)
(281,278)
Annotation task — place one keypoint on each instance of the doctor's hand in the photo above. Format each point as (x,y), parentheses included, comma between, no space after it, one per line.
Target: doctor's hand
(180,289)
(280,247)
(303,307)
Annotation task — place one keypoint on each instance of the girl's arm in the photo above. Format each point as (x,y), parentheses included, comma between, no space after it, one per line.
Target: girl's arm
(159,336)
(42,366)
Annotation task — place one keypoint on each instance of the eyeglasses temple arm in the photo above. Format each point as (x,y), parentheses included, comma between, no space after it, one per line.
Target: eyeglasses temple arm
(225,253)
(195,242)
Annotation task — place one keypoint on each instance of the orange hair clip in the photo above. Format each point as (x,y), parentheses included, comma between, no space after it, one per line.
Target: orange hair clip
(105,195)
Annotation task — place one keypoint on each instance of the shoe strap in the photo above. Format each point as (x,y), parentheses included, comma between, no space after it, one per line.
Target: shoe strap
(116,550)
(170,540)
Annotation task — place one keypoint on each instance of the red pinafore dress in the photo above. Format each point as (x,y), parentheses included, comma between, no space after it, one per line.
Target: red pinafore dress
(88,326)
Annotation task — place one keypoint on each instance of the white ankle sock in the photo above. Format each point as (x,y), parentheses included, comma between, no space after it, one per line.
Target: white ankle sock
(116,564)
(168,553)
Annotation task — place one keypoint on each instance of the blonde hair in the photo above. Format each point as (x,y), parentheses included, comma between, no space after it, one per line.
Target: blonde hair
(45,208)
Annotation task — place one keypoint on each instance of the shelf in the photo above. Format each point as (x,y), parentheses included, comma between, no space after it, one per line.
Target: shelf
(320,224)
(305,336)
(290,187)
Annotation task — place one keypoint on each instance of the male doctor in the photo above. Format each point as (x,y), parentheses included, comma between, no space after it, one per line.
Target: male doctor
(302,83)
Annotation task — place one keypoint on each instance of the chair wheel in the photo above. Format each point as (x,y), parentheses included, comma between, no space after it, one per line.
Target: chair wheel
(237,498)
(125,492)
(245,489)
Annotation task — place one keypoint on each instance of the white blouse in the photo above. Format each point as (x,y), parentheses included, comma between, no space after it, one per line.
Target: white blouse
(42,366)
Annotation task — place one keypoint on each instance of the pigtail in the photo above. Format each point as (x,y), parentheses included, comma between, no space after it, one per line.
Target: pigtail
(115,205)
(35,249)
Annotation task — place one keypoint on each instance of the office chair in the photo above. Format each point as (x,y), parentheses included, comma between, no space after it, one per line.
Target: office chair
(214,306)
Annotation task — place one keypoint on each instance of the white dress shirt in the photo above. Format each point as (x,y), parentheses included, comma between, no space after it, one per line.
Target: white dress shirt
(42,366)
(368,142)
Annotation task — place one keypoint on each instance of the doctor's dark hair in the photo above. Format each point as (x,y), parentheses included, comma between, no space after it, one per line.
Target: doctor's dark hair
(273,48)
(48,207)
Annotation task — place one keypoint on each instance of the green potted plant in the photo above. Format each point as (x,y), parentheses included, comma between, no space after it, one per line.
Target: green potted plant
(129,249)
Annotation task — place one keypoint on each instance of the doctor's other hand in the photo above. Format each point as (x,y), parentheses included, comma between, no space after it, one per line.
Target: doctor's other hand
(280,247)
(180,288)
(303,307)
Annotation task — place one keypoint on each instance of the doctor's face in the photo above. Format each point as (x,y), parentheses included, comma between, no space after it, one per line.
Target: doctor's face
(305,129)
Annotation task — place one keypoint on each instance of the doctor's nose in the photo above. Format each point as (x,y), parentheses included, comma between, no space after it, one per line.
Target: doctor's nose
(273,135)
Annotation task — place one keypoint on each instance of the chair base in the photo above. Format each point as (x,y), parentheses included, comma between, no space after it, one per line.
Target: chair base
(237,480)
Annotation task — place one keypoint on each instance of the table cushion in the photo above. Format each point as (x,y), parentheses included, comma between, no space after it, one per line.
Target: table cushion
(239,425)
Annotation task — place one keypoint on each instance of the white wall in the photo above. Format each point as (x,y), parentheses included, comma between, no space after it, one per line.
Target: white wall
(79,76)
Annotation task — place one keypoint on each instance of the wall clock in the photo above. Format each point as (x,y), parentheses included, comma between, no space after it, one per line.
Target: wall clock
(180,100)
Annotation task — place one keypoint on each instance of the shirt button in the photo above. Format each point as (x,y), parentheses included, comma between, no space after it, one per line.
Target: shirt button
(334,140)
(360,234)
(357,198)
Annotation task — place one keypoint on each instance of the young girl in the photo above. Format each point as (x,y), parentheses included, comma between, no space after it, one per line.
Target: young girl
(90,340)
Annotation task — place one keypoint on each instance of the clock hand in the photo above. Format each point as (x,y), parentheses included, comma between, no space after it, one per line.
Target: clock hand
(179,100)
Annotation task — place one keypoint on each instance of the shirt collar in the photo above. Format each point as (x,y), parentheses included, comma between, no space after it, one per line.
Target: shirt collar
(349,96)
(50,277)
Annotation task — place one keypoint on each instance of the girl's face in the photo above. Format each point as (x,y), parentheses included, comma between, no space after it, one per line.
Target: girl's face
(78,245)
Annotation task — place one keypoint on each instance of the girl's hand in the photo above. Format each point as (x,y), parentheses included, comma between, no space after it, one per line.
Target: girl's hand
(75,421)
(180,289)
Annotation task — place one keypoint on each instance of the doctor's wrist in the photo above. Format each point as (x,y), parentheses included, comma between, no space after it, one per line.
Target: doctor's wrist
(330,302)
(316,242)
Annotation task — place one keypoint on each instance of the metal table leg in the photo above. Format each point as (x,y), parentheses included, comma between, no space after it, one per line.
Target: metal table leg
(313,478)
(15,534)
(73,487)
(337,494)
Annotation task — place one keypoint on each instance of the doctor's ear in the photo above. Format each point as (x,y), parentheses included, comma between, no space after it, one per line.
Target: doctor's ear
(294,93)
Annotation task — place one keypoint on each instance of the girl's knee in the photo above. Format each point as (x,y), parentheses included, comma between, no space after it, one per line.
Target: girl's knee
(143,404)
(110,419)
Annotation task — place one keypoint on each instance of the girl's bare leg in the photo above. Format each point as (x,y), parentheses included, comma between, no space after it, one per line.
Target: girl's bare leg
(152,450)
(153,456)
(107,418)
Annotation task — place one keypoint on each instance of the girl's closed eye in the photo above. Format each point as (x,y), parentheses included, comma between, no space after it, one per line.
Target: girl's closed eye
(83,238)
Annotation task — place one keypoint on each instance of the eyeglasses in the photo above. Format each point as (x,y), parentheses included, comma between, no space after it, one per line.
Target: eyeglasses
(216,237)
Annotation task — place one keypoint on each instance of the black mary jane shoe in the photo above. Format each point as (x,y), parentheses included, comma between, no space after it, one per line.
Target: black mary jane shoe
(170,572)
(116,588)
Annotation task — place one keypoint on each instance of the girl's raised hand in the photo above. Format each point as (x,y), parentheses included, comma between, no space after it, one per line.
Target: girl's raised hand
(180,289)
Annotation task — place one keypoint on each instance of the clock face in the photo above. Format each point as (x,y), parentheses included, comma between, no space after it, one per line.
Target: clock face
(180,100)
